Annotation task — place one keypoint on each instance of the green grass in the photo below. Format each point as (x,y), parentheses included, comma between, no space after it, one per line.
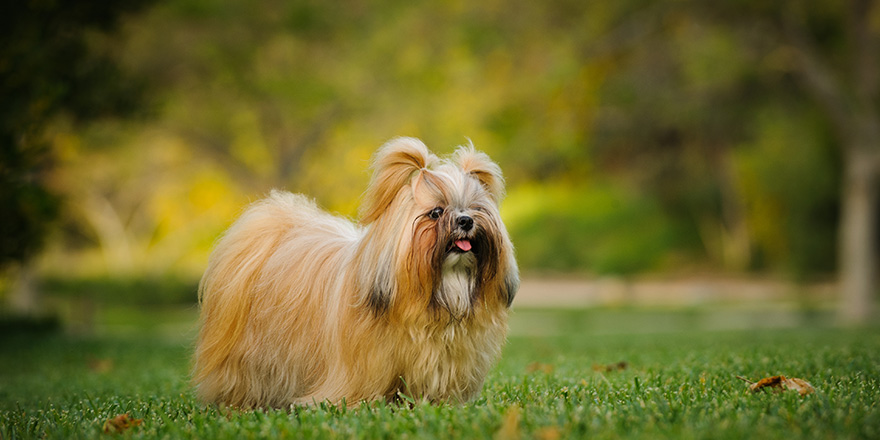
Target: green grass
(679,384)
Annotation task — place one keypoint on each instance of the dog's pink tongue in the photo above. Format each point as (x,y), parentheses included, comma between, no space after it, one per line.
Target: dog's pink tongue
(464,245)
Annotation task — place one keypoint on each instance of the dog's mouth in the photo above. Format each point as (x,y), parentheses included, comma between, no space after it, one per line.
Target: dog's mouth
(460,246)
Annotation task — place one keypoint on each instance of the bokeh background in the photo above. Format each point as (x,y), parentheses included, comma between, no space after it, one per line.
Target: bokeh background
(656,152)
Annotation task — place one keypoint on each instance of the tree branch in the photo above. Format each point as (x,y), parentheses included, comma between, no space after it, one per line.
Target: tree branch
(819,79)
(866,62)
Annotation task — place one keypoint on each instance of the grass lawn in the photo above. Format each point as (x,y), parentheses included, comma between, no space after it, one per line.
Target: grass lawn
(679,383)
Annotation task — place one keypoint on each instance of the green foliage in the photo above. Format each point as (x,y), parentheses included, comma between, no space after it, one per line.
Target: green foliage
(790,193)
(50,63)
(28,206)
(601,229)
(683,111)
(145,290)
(695,115)
(677,385)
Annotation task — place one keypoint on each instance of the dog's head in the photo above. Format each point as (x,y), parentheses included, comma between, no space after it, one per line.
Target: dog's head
(435,231)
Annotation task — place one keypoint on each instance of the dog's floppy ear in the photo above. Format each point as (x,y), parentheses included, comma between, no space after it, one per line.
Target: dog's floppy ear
(394,165)
(480,166)
(511,283)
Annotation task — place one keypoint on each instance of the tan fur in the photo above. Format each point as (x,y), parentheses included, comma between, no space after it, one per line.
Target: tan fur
(299,306)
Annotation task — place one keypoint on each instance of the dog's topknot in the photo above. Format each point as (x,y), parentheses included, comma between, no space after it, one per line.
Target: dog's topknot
(394,165)
(480,166)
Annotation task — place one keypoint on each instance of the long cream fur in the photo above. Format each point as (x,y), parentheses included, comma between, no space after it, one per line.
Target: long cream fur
(299,306)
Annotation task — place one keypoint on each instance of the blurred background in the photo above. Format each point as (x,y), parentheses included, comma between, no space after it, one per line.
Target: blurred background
(666,153)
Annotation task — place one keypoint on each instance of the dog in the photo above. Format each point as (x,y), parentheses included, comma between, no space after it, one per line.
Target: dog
(300,307)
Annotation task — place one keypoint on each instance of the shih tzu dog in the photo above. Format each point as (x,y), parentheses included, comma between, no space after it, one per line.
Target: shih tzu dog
(299,306)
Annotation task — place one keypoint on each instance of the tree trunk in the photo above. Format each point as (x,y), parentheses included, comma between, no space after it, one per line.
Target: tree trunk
(858,259)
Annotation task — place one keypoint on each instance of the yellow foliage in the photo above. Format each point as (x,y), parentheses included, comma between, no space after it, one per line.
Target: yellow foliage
(248,145)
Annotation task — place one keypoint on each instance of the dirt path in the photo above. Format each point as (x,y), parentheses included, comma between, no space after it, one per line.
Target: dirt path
(574,292)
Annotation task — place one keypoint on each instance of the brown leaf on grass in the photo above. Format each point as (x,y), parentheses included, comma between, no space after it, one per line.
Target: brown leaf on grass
(779,384)
(537,366)
(548,433)
(801,386)
(609,368)
(509,429)
(120,423)
(100,366)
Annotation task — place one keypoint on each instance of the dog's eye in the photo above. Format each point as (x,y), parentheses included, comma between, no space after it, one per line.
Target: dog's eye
(435,213)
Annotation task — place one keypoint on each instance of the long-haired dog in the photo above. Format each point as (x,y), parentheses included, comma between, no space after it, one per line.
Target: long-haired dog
(299,306)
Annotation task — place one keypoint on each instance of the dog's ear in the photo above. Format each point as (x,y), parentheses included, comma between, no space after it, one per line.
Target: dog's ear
(479,165)
(511,284)
(394,165)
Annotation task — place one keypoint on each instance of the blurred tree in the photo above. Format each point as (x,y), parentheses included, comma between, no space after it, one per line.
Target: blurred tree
(833,48)
(609,106)
(660,126)
(50,64)
(253,88)
(697,86)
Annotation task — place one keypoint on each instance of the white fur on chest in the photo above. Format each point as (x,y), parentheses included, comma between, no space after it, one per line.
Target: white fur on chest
(457,284)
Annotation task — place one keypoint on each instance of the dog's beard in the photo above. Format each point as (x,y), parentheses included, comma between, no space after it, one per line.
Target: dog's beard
(463,262)
(457,283)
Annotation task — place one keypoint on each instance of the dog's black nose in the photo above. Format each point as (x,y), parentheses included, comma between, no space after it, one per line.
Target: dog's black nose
(465,223)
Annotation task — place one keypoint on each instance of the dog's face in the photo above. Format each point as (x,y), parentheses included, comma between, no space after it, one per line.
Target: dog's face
(458,227)
(440,229)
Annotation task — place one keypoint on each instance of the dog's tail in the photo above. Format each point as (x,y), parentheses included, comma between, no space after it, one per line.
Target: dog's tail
(227,289)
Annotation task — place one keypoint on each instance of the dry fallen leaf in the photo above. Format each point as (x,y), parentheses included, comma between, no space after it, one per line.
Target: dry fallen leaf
(100,366)
(801,386)
(780,383)
(509,429)
(548,433)
(537,366)
(120,423)
(619,366)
